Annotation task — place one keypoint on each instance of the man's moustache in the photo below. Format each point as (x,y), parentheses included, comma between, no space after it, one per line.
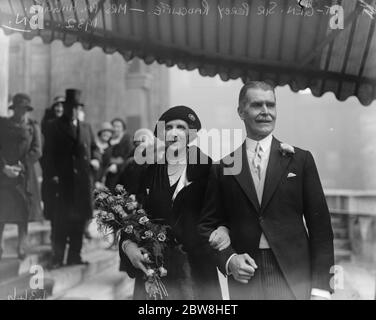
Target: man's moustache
(265,119)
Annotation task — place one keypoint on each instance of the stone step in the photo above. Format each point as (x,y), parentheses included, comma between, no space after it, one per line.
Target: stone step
(68,277)
(344,244)
(38,234)
(20,288)
(110,284)
(38,255)
(15,274)
(11,266)
(41,255)
(56,282)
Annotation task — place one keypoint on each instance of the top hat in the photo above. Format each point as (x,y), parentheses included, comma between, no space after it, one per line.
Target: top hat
(72,98)
(21,100)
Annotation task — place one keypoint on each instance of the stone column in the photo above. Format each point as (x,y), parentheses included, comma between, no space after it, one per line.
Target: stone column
(138,85)
(4,73)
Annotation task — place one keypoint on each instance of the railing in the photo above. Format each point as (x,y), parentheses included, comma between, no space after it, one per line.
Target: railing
(356,212)
(357,209)
(352,202)
(351,213)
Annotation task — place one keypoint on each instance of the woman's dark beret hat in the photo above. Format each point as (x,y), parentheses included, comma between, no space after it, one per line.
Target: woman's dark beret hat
(181,113)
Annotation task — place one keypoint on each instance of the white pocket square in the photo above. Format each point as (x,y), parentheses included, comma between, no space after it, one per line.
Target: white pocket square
(291,175)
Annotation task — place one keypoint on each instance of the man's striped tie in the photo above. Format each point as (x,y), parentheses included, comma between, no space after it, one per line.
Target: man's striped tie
(257,160)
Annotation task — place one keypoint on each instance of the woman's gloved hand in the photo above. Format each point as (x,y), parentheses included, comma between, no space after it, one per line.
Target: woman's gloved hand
(137,256)
(220,239)
(113,168)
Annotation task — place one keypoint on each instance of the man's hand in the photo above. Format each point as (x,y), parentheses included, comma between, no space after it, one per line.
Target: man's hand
(219,239)
(242,267)
(55,179)
(137,256)
(95,164)
(112,168)
(11,171)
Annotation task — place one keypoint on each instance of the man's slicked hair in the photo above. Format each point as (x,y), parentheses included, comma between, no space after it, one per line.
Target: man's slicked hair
(263,85)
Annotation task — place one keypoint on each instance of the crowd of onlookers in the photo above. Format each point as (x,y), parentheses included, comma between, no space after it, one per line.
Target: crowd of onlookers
(73,160)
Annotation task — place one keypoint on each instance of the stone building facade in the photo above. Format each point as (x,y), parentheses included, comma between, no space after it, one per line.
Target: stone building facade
(4,70)
(111,86)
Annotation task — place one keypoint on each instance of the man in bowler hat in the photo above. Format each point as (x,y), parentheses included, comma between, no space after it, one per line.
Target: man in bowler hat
(71,155)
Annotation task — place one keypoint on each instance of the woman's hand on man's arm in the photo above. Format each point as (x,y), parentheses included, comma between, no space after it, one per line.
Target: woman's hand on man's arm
(137,256)
(220,238)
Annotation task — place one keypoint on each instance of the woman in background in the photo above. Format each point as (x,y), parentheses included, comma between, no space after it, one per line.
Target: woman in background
(20,149)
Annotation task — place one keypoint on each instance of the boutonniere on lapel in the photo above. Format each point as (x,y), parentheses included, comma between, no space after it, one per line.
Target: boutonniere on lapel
(286,149)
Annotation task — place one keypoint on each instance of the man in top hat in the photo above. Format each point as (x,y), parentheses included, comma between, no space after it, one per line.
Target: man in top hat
(71,155)
(20,149)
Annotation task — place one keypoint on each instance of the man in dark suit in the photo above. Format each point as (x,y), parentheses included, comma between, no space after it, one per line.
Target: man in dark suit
(275,210)
(70,155)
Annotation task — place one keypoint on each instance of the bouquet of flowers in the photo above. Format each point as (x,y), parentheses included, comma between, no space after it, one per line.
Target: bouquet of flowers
(120,212)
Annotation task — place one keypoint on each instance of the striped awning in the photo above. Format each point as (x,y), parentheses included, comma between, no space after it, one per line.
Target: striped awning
(255,39)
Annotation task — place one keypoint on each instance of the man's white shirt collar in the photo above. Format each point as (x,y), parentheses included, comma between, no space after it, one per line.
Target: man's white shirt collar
(265,143)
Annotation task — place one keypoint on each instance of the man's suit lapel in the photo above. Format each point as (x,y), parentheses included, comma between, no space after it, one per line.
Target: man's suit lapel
(276,167)
(245,179)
